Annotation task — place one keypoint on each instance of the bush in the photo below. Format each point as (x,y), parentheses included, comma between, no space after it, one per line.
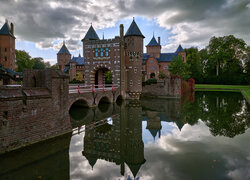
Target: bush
(74,81)
(150,81)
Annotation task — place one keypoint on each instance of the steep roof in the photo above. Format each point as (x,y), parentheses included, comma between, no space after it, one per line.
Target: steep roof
(167,57)
(5,30)
(64,49)
(153,42)
(153,132)
(78,60)
(91,34)
(133,30)
(179,49)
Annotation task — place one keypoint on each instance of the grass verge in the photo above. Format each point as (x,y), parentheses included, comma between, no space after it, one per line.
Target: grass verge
(245,90)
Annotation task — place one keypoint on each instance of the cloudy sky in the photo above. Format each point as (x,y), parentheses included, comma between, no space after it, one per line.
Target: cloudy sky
(41,26)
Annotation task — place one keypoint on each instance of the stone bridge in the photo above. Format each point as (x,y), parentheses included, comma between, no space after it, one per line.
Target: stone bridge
(91,96)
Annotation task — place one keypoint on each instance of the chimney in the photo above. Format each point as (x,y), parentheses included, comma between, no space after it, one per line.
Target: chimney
(159,40)
(12,28)
(121,31)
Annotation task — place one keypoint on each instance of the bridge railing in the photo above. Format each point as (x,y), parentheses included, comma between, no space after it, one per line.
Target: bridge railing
(92,88)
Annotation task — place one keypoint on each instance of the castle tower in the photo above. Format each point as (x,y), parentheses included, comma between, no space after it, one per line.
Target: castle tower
(7,46)
(180,51)
(133,61)
(154,48)
(63,57)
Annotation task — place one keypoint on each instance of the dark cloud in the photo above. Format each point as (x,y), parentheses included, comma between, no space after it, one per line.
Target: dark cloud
(192,22)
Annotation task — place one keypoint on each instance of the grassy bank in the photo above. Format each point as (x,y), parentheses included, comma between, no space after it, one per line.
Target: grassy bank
(245,90)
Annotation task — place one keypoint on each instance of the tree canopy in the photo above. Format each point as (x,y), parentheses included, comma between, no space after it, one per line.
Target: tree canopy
(180,68)
(24,61)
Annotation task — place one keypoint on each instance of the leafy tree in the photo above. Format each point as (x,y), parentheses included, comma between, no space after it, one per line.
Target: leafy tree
(108,77)
(225,55)
(194,60)
(38,63)
(161,75)
(55,66)
(79,76)
(180,68)
(23,60)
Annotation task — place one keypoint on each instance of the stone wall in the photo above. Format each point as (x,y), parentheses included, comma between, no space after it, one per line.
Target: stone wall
(165,88)
(36,111)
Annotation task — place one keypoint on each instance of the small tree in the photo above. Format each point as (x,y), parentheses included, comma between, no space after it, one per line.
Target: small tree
(108,77)
(161,75)
(180,68)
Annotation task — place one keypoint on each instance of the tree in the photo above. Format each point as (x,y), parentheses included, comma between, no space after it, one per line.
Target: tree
(55,66)
(180,68)
(108,77)
(225,55)
(23,60)
(194,60)
(38,63)
(161,75)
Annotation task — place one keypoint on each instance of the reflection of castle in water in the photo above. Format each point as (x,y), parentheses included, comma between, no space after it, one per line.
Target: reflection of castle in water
(120,142)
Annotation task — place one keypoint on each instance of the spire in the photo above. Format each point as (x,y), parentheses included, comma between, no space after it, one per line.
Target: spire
(5,30)
(103,35)
(179,49)
(91,34)
(133,30)
(153,42)
(64,49)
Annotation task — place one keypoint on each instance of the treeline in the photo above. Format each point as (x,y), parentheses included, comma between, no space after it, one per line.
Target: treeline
(226,60)
(25,61)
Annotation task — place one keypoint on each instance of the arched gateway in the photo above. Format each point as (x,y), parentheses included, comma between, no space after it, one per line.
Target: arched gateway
(120,57)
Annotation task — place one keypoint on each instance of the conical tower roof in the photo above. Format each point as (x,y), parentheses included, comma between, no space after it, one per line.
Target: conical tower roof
(134,168)
(5,30)
(133,30)
(91,34)
(153,42)
(64,49)
(179,49)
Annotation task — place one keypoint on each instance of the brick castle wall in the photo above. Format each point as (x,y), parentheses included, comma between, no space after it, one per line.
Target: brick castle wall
(35,112)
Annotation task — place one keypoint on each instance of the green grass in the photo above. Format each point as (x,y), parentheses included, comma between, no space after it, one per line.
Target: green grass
(245,90)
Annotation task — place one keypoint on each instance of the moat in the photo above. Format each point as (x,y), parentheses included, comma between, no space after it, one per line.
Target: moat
(204,137)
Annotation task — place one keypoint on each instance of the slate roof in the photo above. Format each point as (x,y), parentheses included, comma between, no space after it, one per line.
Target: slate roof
(153,42)
(78,60)
(91,34)
(153,132)
(167,57)
(64,49)
(133,30)
(5,30)
(179,49)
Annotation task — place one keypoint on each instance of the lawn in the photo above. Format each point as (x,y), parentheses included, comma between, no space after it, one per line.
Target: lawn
(245,90)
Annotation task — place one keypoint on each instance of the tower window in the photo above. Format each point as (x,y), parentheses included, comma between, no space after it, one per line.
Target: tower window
(101,52)
(5,58)
(5,49)
(96,52)
(107,52)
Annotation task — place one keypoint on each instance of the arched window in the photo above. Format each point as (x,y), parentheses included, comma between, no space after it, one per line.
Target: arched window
(101,52)
(107,52)
(96,52)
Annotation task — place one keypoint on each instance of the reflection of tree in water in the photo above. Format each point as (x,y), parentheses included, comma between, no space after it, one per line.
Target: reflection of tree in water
(226,114)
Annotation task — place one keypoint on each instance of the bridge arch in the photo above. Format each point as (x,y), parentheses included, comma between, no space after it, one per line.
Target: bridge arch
(80,101)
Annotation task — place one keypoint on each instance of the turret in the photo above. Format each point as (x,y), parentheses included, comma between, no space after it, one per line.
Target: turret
(7,46)
(180,51)
(154,47)
(133,60)
(63,57)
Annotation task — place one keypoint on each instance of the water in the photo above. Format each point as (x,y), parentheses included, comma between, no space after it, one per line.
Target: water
(204,138)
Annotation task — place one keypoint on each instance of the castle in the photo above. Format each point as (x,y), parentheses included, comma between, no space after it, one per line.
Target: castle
(122,56)
(153,61)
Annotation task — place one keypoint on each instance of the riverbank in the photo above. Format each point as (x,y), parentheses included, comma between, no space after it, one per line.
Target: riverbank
(245,90)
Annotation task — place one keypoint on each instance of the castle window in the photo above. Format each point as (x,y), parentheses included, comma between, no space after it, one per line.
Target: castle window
(5,49)
(165,67)
(96,52)
(101,52)
(5,58)
(107,52)
(152,68)
(151,61)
